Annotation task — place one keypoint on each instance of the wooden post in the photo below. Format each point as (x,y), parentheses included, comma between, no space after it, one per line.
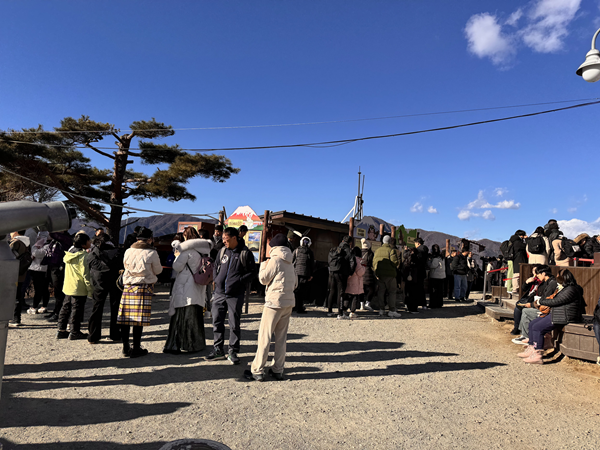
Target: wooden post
(394,236)
(596,259)
(222,217)
(381,229)
(447,247)
(351,227)
(263,239)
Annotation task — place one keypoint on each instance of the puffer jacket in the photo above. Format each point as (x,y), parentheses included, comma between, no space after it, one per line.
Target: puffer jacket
(437,268)
(104,266)
(280,278)
(77,273)
(520,251)
(355,281)
(385,262)
(303,261)
(566,306)
(38,252)
(185,290)
(539,258)
(592,246)
(142,264)
(367,259)
(459,265)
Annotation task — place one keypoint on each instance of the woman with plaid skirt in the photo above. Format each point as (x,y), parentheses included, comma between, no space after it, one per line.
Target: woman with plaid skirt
(142,265)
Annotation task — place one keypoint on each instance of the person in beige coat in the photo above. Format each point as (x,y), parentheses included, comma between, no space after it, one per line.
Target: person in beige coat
(279,276)
(538,258)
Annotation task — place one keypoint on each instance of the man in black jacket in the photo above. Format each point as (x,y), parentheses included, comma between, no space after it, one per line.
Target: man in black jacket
(234,269)
(105,262)
(592,246)
(341,266)
(304,261)
(460,268)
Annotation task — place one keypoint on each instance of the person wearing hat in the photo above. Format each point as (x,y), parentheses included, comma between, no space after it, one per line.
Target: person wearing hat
(279,277)
(303,261)
(385,263)
(369,278)
(341,266)
(291,238)
(217,240)
(142,265)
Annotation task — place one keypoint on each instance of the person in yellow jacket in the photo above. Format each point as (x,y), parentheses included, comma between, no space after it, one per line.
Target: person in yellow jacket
(77,287)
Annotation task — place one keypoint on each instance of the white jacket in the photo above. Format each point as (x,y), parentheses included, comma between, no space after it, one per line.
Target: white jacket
(279,276)
(185,291)
(142,264)
(38,252)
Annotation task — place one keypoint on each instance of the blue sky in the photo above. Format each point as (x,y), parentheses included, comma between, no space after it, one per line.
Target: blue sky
(200,64)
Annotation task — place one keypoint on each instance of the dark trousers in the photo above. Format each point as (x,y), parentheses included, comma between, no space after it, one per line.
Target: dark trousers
(72,308)
(137,337)
(436,293)
(302,293)
(222,306)
(337,288)
(57,277)
(95,322)
(518,313)
(40,285)
(19,303)
(538,328)
(370,292)
(449,286)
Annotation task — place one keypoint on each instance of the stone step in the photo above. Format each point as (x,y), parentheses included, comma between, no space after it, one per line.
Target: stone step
(496,312)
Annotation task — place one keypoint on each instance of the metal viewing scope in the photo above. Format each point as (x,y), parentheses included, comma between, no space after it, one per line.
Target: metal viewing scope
(15,216)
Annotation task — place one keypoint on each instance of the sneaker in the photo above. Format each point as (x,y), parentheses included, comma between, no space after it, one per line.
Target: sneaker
(342,317)
(527,352)
(248,375)
(137,352)
(412,312)
(127,352)
(75,335)
(381,312)
(233,358)
(519,340)
(368,306)
(352,316)
(14,323)
(394,314)
(331,314)
(598,361)
(515,331)
(62,334)
(52,318)
(42,310)
(216,354)
(48,314)
(32,310)
(277,376)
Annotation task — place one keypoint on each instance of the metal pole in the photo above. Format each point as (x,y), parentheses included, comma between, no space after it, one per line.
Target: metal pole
(485,277)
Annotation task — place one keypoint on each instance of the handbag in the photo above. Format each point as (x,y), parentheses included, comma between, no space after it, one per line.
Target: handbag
(204,276)
(120,284)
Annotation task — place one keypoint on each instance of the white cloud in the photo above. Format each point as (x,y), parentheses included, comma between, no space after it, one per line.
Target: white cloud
(481,203)
(571,228)
(432,210)
(487,215)
(549,22)
(465,214)
(499,192)
(504,204)
(546,24)
(572,210)
(417,208)
(554,211)
(486,40)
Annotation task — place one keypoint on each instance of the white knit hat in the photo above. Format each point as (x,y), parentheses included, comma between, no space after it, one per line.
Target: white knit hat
(365,244)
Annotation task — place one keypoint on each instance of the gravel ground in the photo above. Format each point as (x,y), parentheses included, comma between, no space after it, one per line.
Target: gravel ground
(442,379)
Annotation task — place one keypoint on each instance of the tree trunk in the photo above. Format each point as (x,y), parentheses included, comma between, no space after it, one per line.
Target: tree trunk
(116,196)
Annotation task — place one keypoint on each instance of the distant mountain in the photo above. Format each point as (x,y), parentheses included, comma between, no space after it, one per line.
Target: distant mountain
(160,225)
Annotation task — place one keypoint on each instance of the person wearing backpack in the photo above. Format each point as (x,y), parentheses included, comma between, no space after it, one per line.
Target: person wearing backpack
(385,264)
(60,243)
(105,261)
(369,279)
(186,328)
(538,247)
(520,257)
(341,266)
(39,274)
(234,269)
(19,245)
(354,287)
(303,261)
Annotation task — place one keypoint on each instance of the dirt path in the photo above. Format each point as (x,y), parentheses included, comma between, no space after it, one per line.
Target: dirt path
(441,379)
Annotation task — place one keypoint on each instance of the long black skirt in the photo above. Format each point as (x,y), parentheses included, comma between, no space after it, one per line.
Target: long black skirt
(186,330)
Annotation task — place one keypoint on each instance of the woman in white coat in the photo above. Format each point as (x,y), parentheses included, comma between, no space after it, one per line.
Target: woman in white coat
(186,307)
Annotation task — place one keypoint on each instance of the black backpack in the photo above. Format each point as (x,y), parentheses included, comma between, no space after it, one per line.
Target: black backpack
(571,249)
(335,259)
(508,251)
(536,245)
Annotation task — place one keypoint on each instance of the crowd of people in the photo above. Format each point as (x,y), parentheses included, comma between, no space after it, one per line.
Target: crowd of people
(212,275)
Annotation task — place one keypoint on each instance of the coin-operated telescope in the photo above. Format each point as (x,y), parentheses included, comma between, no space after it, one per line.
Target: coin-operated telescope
(14,216)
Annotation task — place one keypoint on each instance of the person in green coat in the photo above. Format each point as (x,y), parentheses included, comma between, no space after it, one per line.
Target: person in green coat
(385,263)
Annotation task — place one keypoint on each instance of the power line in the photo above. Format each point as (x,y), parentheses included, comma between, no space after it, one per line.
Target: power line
(336,143)
(296,124)
(4,169)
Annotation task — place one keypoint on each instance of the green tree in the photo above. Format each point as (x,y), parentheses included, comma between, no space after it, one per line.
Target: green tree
(54,159)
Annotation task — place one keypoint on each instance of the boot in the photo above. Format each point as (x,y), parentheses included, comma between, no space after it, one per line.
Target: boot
(535,357)
(527,352)
(548,344)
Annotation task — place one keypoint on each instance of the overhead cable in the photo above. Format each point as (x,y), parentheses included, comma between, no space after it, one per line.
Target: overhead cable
(336,143)
(296,124)
(4,169)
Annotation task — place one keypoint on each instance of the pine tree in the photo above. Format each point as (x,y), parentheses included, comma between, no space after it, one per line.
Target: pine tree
(53,158)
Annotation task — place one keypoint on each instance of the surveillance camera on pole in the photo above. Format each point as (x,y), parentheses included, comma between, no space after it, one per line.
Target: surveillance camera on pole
(51,216)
